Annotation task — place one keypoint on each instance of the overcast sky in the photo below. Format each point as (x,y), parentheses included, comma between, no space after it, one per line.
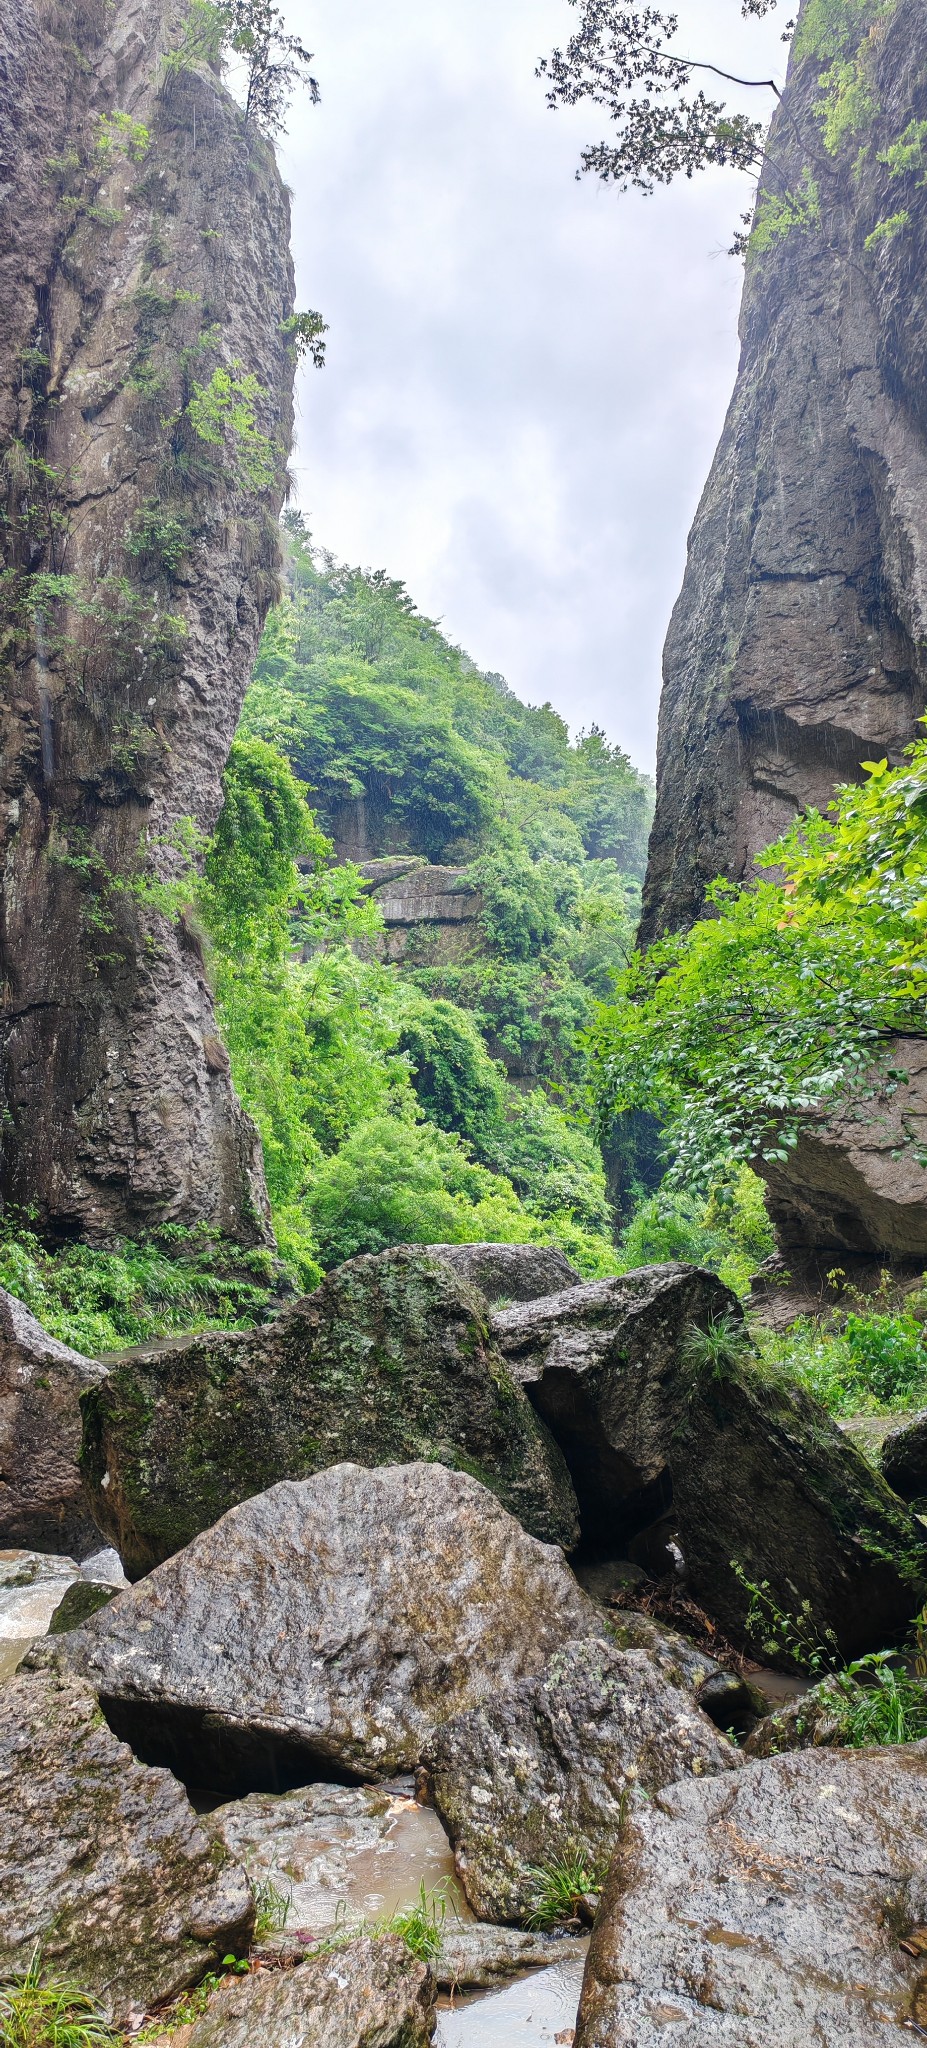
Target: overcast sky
(526,375)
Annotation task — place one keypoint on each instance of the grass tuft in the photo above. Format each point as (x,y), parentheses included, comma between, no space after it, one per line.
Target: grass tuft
(41,2010)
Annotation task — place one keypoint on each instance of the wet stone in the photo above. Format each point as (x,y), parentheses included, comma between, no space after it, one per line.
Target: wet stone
(371,1993)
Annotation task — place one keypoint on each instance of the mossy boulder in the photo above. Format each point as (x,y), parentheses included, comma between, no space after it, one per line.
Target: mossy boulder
(390,1360)
(696,1459)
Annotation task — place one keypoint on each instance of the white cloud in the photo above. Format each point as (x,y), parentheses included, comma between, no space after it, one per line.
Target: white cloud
(526,376)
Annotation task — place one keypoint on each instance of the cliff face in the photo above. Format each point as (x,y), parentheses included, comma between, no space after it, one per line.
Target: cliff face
(798,647)
(144,254)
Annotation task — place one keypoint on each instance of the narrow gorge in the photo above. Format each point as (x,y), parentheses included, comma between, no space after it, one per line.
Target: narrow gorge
(463,1234)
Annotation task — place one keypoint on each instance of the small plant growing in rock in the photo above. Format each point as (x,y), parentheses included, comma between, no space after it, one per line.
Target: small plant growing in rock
(878,1702)
(421,1926)
(566,1889)
(41,2010)
(271,1908)
(715,1353)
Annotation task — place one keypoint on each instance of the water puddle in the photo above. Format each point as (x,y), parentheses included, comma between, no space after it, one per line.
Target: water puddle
(535,2012)
(341,1854)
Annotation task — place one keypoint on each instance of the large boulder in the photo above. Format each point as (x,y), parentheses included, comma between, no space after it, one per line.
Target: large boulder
(332,1621)
(104,1865)
(855,1185)
(390,1360)
(370,1993)
(544,1773)
(904,1457)
(509,1272)
(42,1500)
(745,1475)
(782,1906)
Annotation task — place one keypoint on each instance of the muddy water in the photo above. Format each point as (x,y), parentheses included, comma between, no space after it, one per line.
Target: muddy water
(535,2012)
(340,1853)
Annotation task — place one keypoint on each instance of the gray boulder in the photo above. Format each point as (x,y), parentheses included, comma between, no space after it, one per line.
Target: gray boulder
(740,1470)
(370,1993)
(104,1864)
(509,1272)
(332,1621)
(904,1458)
(42,1501)
(545,1772)
(390,1360)
(784,1905)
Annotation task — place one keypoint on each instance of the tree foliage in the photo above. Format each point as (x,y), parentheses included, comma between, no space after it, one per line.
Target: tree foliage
(621,58)
(788,996)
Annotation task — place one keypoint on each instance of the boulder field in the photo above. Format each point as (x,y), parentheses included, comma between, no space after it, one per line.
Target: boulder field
(390,1360)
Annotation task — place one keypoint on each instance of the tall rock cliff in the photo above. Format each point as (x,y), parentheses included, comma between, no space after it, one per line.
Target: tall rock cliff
(798,647)
(145,420)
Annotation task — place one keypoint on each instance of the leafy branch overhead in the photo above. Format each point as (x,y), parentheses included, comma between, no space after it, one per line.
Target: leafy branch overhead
(621,58)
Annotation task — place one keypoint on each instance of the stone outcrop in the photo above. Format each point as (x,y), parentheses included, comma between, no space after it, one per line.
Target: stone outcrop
(504,1273)
(430,914)
(103,1864)
(42,1500)
(852,1188)
(545,1773)
(145,247)
(390,1360)
(783,1905)
(370,1993)
(798,647)
(330,1623)
(738,1469)
(904,1458)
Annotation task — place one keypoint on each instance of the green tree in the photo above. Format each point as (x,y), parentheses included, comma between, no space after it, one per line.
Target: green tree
(788,996)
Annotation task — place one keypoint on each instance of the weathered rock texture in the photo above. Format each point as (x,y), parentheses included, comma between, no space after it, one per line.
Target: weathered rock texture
(42,1501)
(390,1360)
(331,1622)
(369,1994)
(783,1906)
(141,563)
(509,1272)
(798,647)
(103,1863)
(429,913)
(738,1468)
(535,1776)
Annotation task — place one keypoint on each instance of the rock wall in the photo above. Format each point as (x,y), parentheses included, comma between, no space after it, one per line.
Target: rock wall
(798,647)
(144,246)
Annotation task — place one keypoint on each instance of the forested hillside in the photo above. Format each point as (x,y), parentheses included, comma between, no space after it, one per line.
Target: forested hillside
(439,1100)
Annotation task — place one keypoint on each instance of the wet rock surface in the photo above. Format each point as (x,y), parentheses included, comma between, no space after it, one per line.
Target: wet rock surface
(732,1466)
(37,1588)
(336,1855)
(371,1993)
(103,1863)
(544,1772)
(816,1720)
(390,1360)
(475,1956)
(332,1621)
(781,1906)
(904,1458)
(42,1500)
